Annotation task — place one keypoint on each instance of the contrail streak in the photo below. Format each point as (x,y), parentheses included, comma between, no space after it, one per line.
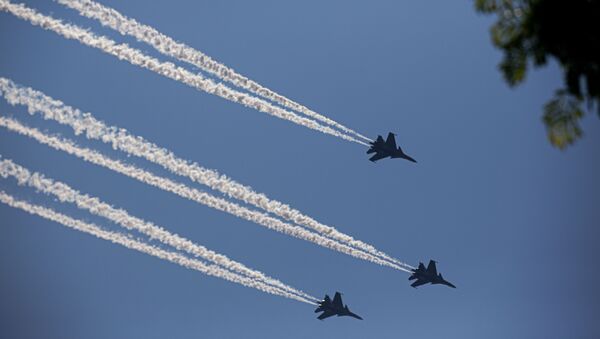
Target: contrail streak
(134,145)
(127,26)
(122,239)
(167,69)
(92,204)
(190,193)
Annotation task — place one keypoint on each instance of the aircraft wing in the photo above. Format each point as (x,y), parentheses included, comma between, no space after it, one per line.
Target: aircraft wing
(378,156)
(337,300)
(431,267)
(419,282)
(391,140)
(325,314)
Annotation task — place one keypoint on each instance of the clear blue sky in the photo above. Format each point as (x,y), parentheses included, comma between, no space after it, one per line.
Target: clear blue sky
(512,221)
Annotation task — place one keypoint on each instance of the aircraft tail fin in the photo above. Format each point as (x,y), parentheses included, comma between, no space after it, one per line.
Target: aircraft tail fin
(391,140)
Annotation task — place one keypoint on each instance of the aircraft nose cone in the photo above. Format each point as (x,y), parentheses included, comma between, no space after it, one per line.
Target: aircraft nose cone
(449,284)
(410,159)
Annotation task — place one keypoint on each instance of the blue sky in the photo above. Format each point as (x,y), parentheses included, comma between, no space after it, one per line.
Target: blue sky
(509,218)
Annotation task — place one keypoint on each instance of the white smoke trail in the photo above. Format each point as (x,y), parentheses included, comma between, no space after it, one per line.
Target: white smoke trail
(127,26)
(190,193)
(121,239)
(67,194)
(134,145)
(167,69)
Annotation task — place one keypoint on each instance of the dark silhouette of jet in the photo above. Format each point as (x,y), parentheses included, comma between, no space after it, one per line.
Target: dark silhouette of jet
(387,148)
(335,307)
(428,275)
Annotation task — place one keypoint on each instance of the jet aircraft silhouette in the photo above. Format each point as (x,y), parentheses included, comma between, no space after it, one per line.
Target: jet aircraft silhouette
(428,275)
(335,307)
(387,148)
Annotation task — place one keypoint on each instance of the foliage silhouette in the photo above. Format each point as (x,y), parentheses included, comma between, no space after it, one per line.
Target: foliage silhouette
(532,31)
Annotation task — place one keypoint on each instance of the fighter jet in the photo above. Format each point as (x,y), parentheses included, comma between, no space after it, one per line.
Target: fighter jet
(335,307)
(428,275)
(387,148)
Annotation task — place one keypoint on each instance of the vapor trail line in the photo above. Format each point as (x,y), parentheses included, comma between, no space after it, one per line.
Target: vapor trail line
(65,193)
(121,239)
(191,194)
(167,69)
(121,139)
(168,46)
